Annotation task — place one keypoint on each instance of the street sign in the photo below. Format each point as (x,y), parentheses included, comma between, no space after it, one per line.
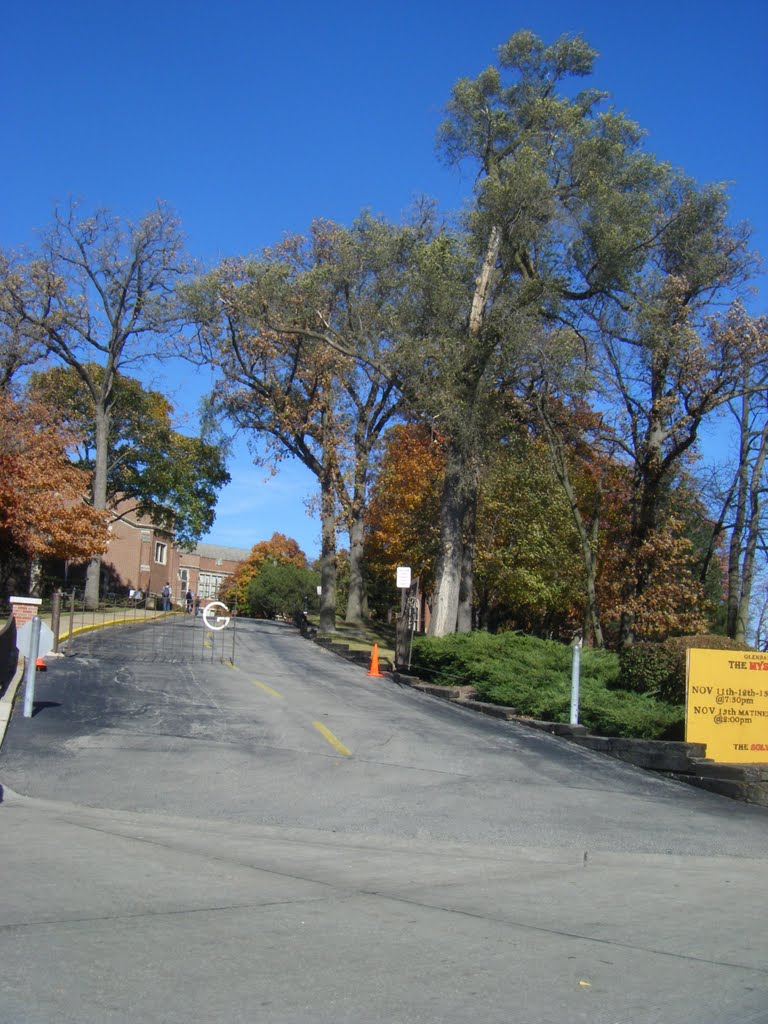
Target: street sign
(403,577)
(216,615)
(24,635)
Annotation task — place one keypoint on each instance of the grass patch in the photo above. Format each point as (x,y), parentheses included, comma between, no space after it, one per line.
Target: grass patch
(361,637)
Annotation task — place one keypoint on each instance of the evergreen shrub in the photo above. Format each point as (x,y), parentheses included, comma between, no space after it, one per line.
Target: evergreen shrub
(534,677)
(658,669)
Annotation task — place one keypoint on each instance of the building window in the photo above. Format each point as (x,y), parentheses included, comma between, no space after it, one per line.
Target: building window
(161,552)
(209,583)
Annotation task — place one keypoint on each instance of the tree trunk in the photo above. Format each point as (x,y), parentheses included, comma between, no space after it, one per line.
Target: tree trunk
(356,600)
(752,533)
(588,536)
(647,488)
(445,606)
(327,548)
(35,578)
(93,573)
(460,484)
(466,587)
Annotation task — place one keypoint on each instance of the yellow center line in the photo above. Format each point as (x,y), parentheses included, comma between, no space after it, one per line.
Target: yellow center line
(335,743)
(323,730)
(261,686)
(267,689)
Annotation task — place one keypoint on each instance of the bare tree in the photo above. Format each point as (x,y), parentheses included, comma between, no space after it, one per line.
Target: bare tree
(740,513)
(98,292)
(300,335)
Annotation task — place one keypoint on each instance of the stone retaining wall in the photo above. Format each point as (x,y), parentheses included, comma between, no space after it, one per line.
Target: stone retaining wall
(9,656)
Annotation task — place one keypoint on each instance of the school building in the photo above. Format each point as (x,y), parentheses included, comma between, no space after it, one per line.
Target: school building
(143,557)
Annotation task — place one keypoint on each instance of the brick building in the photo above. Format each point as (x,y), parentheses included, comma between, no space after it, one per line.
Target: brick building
(206,567)
(142,557)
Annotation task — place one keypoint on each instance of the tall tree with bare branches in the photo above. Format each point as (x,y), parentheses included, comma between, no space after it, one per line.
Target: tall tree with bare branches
(97,291)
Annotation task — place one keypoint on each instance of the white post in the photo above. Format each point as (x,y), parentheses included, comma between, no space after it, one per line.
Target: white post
(575,671)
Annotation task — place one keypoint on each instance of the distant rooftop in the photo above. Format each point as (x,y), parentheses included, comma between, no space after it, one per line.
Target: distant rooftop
(219,551)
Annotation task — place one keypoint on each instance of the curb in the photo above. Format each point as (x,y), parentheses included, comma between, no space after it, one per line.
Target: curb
(112,622)
(8,698)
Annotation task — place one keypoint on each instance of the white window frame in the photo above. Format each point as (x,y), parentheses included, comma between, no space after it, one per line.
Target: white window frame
(208,583)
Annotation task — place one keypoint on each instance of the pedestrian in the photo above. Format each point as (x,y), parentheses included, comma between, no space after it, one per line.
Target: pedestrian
(189,599)
(166,593)
(197,605)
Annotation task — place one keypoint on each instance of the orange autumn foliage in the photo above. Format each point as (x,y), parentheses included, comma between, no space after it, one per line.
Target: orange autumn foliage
(279,549)
(404,511)
(43,509)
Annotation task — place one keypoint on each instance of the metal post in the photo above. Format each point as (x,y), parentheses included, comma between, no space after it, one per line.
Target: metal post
(412,606)
(234,626)
(71,621)
(401,634)
(575,672)
(31,667)
(56,619)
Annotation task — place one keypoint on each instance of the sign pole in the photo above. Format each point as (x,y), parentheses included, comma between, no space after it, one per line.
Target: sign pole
(31,667)
(575,679)
(403,583)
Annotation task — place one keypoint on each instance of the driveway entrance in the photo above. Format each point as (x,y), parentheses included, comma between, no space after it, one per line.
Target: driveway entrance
(181,639)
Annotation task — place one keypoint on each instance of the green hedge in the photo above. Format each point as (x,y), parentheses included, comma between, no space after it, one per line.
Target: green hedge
(658,669)
(534,677)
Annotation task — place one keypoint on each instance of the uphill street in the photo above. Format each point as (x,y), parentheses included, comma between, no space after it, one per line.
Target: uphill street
(288,840)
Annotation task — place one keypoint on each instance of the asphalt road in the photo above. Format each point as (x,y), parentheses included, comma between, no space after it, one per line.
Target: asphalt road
(291,841)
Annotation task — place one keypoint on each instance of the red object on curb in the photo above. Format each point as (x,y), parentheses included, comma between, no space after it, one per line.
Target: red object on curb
(40,665)
(374,669)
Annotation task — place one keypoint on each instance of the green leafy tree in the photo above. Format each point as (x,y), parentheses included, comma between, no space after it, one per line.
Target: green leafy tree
(278,550)
(559,211)
(596,265)
(151,469)
(529,573)
(280,590)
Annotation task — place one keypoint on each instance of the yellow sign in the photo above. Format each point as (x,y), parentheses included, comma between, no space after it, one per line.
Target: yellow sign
(727,704)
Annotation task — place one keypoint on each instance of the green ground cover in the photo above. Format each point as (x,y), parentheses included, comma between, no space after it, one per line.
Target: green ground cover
(534,677)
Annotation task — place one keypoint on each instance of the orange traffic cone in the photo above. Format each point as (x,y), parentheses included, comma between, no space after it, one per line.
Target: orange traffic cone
(374,669)
(40,665)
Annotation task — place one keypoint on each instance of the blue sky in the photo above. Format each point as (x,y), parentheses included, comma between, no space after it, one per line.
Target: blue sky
(252,119)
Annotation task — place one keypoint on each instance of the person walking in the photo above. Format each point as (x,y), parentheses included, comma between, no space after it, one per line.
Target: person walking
(166,594)
(190,600)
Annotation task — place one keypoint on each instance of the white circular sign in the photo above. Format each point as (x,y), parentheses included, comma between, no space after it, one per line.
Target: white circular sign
(212,618)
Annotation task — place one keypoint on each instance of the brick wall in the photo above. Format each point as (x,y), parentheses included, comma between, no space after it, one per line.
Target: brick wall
(24,609)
